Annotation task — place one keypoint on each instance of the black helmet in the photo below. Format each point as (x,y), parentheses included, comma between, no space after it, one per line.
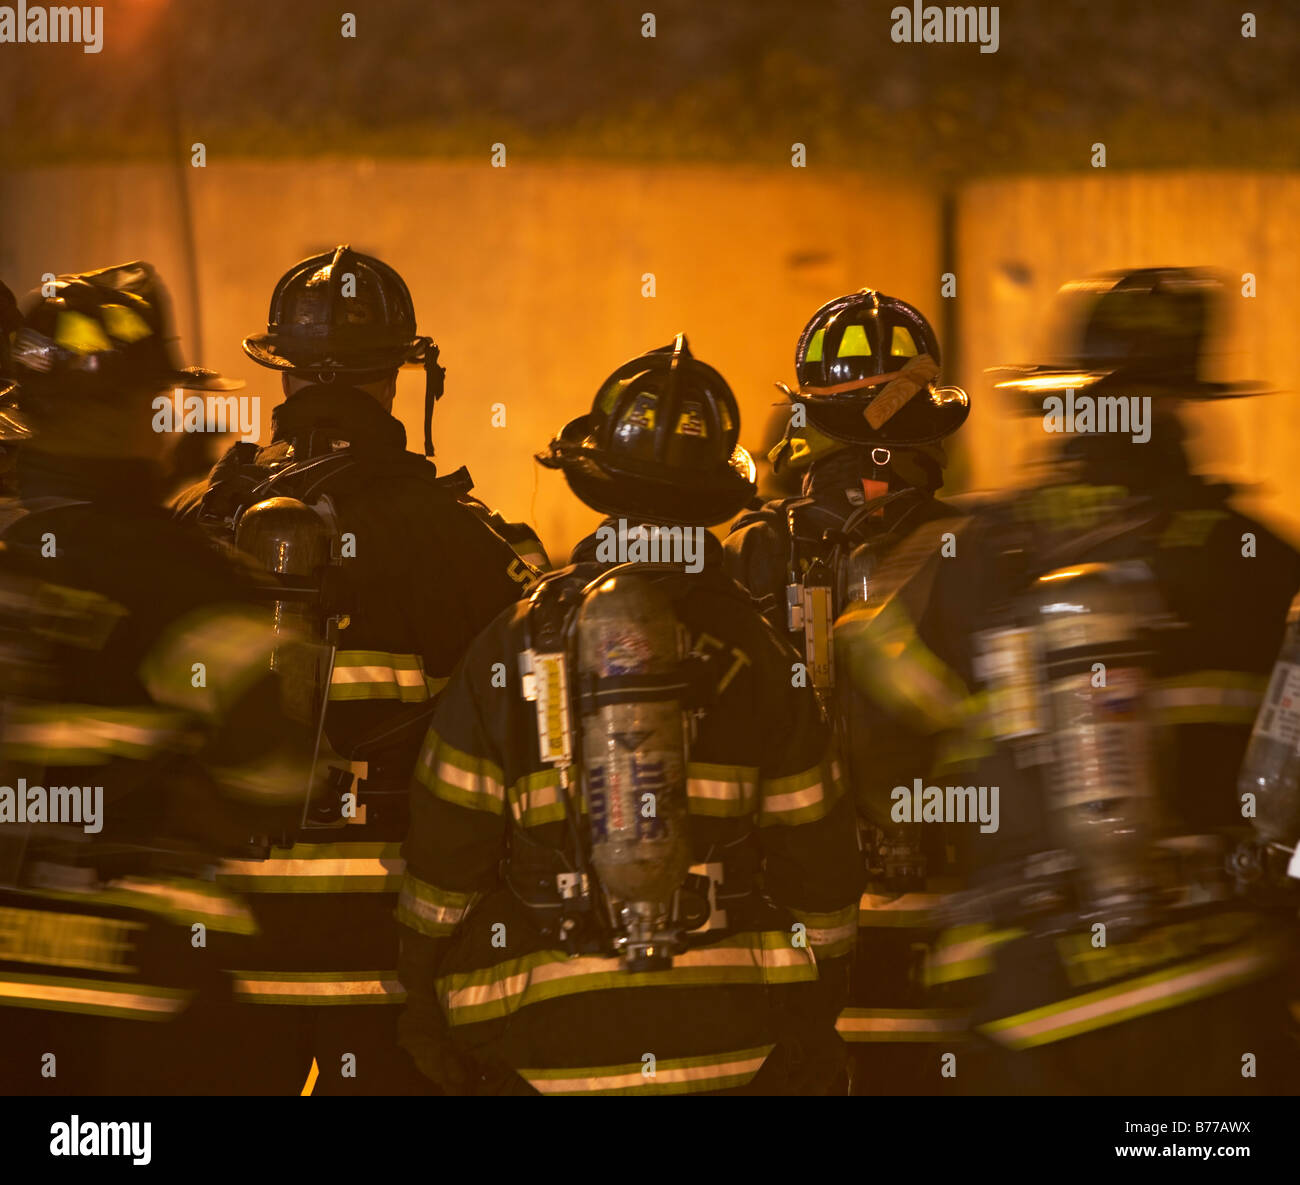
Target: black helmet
(660,443)
(867,366)
(13,425)
(103,332)
(10,320)
(323,323)
(1149,327)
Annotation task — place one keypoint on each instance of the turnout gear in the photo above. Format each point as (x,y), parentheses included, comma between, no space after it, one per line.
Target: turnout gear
(1187,978)
(696,898)
(344,313)
(333,502)
(135,668)
(505,970)
(1150,327)
(660,443)
(808,560)
(867,366)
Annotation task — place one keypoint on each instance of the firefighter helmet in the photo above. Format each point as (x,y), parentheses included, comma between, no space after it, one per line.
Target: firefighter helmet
(346,313)
(340,312)
(103,332)
(1150,326)
(10,320)
(14,427)
(659,444)
(867,366)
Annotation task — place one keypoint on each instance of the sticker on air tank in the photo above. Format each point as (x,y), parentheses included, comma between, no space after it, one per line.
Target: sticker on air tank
(650,787)
(1101,736)
(597,803)
(1280,717)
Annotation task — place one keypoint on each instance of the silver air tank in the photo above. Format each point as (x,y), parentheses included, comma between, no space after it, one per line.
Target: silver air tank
(1101,780)
(288,538)
(629,654)
(1271,768)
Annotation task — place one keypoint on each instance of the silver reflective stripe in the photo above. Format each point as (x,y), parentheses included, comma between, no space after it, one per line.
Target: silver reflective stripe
(91,996)
(363,987)
(898,1024)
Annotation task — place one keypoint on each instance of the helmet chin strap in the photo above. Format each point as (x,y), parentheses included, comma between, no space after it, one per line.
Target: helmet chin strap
(434,380)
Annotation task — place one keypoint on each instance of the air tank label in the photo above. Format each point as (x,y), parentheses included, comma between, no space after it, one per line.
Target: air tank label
(1007,666)
(1101,737)
(1279,718)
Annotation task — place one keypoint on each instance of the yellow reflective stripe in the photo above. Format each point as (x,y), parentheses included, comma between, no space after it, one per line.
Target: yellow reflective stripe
(683,1075)
(232,645)
(901,1024)
(890,662)
(1209,697)
(718,791)
(460,778)
(319,868)
(318,987)
(89,734)
(1156,992)
(430,910)
(832,933)
(748,958)
(93,996)
(188,901)
(376,674)
(965,952)
(909,909)
(535,799)
(182,902)
(800,798)
(721,791)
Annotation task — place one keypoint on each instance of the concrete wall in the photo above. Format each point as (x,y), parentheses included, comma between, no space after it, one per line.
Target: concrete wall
(529,277)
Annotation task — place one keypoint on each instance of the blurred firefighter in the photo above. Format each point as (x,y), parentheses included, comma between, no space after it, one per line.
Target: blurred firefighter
(399,569)
(867,426)
(632,867)
(135,659)
(13,427)
(1106,634)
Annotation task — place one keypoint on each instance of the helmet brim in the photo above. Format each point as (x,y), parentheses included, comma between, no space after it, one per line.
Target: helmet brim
(286,354)
(14,426)
(199,378)
(617,488)
(1033,382)
(923,421)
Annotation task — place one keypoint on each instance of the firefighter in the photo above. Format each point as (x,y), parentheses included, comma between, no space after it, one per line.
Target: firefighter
(142,736)
(632,867)
(408,571)
(1103,637)
(867,429)
(13,428)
